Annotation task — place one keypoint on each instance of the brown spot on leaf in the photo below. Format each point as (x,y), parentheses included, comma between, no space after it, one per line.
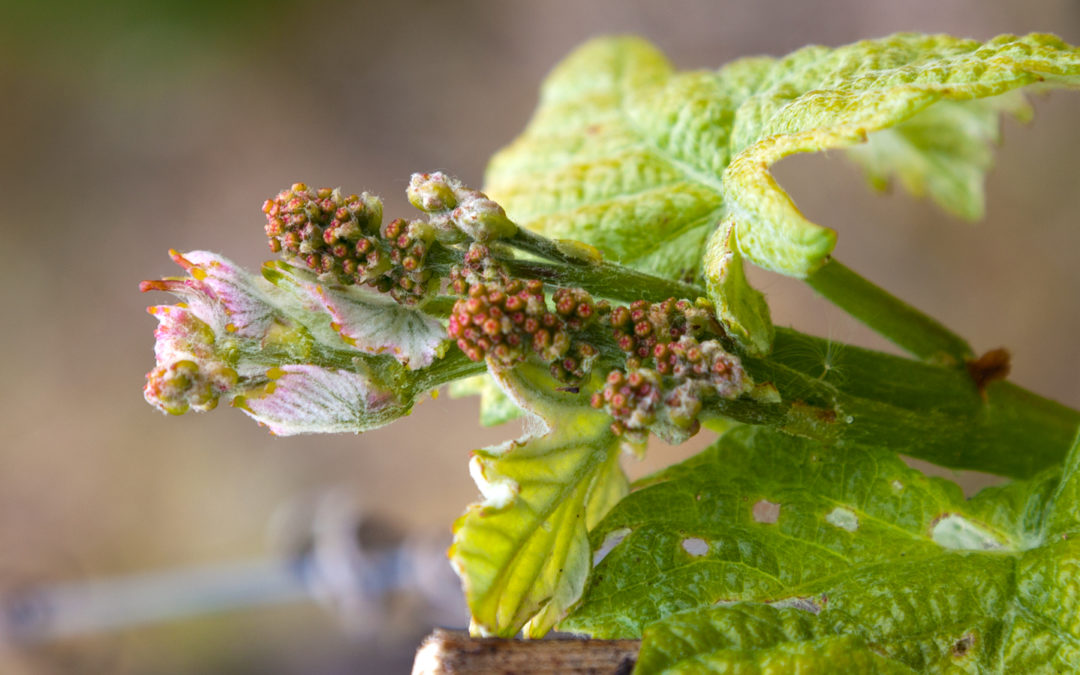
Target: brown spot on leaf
(962,646)
(765,511)
(992,366)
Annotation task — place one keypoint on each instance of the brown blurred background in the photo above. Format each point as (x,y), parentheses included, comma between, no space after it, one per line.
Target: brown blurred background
(130,127)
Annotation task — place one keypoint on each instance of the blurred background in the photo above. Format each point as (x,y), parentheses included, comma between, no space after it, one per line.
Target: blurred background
(129,127)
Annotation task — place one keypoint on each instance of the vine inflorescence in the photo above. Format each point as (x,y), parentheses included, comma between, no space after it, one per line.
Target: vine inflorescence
(675,361)
(343,240)
(673,358)
(505,318)
(660,361)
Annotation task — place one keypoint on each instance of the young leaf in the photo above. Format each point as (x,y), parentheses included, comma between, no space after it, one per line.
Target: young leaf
(943,152)
(741,308)
(523,553)
(297,355)
(306,399)
(820,98)
(644,162)
(810,542)
(362,318)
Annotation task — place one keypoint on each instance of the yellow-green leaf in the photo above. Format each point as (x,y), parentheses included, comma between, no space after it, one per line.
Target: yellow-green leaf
(764,550)
(523,552)
(644,162)
(741,308)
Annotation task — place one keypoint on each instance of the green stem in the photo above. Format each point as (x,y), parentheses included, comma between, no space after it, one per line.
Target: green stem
(454,366)
(606,280)
(836,393)
(570,269)
(925,411)
(577,264)
(893,318)
(439,306)
(566,252)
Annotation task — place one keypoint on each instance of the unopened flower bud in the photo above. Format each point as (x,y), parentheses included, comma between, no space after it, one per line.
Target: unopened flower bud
(483,220)
(432,192)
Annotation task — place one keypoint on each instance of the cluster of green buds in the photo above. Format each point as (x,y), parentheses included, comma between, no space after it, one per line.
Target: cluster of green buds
(342,239)
(458,213)
(671,369)
(504,319)
(643,330)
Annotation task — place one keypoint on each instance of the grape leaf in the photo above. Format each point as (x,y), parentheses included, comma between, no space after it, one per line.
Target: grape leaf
(306,399)
(929,157)
(361,318)
(644,162)
(770,551)
(297,355)
(523,553)
(759,639)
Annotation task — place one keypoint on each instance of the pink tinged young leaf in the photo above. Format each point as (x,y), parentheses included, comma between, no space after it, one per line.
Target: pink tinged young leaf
(366,320)
(220,293)
(180,334)
(188,375)
(374,323)
(304,399)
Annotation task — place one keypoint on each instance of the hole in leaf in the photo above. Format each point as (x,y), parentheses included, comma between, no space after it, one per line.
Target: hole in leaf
(766,512)
(805,604)
(695,546)
(843,518)
(613,539)
(956,532)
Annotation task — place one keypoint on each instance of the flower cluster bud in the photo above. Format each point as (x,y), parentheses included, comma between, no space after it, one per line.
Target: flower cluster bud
(458,213)
(576,363)
(576,307)
(708,363)
(342,239)
(641,327)
(504,319)
(671,369)
(186,385)
(478,267)
(632,398)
